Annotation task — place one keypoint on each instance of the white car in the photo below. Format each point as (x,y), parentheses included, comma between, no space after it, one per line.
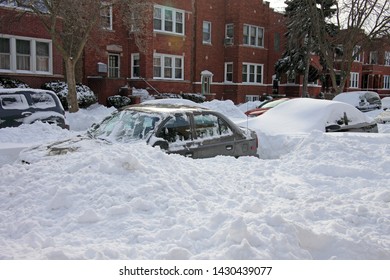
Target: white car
(304,115)
(363,100)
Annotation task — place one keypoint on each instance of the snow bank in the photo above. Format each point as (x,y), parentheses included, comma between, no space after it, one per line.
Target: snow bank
(322,196)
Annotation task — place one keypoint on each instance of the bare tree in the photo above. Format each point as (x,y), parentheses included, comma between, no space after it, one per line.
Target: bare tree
(71,22)
(357,23)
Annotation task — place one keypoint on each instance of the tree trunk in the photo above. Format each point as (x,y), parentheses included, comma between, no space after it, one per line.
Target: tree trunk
(73,105)
(305,90)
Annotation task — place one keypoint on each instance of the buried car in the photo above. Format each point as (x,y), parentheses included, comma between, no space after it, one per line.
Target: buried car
(25,106)
(264,107)
(187,130)
(363,100)
(304,115)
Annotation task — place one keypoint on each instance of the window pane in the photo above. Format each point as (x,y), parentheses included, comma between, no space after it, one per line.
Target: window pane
(168,20)
(157,67)
(22,47)
(157,22)
(167,67)
(5,55)
(22,55)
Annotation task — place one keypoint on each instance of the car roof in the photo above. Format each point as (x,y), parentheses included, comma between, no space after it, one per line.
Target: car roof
(167,108)
(17,90)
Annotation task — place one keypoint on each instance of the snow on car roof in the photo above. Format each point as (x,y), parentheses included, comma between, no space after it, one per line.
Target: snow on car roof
(352,97)
(303,115)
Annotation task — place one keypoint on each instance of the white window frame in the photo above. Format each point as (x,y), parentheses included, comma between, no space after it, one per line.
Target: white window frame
(206,37)
(374,57)
(114,70)
(177,15)
(229,31)
(354,80)
(33,57)
(249,73)
(135,57)
(387,58)
(253,36)
(357,52)
(252,98)
(107,18)
(165,69)
(386,82)
(227,73)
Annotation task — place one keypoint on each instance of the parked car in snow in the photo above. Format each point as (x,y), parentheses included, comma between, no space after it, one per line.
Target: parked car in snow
(25,105)
(363,100)
(304,115)
(190,131)
(264,107)
(386,103)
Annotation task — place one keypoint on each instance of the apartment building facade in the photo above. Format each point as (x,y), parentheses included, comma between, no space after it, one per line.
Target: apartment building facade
(224,49)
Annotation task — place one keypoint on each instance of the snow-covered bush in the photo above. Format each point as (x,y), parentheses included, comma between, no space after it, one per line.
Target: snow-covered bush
(12,83)
(118,101)
(85,96)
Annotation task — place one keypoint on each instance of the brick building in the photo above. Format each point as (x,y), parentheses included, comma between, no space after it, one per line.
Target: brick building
(224,49)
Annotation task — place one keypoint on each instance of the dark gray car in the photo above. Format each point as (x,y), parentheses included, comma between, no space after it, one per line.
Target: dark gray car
(24,105)
(190,131)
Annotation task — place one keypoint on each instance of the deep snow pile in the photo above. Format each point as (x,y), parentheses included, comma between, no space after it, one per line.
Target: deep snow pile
(324,196)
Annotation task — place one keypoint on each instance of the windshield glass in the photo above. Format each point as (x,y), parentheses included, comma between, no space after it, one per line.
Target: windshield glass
(272,104)
(125,126)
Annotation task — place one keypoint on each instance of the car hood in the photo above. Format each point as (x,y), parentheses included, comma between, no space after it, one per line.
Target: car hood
(57,148)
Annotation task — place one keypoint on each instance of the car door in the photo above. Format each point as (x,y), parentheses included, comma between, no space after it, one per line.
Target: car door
(213,136)
(176,131)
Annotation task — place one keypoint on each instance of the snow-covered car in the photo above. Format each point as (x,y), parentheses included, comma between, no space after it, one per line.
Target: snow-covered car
(264,107)
(363,100)
(386,103)
(304,115)
(190,131)
(25,106)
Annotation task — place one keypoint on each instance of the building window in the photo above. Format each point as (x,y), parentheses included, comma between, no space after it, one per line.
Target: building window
(229,30)
(135,65)
(356,54)
(106,17)
(229,72)
(253,36)
(113,66)
(387,58)
(354,80)
(251,98)
(206,32)
(252,73)
(386,82)
(169,20)
(374,57)
(168,67)
(42,56)
(21,54)
(5,54)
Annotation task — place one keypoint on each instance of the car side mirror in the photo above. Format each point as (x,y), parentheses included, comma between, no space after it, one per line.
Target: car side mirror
(162,144)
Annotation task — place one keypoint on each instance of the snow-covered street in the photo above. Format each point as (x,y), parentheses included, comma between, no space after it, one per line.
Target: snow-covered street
(311,196)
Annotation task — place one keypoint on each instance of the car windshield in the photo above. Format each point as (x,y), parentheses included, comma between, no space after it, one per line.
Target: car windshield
(271,104)
(125,126)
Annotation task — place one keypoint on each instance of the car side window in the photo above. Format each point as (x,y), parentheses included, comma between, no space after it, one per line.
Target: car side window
(177,128)
(14,102)
(209,125)
(42,100)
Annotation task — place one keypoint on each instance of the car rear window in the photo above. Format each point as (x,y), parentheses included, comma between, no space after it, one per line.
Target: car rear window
(42,100)
(13,102)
